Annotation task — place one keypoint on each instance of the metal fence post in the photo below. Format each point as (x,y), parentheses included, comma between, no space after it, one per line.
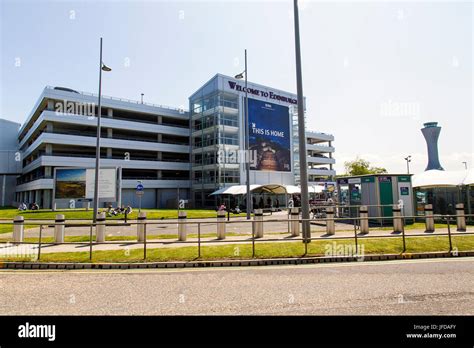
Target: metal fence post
(403,235)
(144,241)
(39,242)
(90,243)
(253,239)
(355,236)
(199,240)
(306,241)
(449,234)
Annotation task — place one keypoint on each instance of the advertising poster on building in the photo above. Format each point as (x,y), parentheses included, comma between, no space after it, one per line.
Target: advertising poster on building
(269,136)
(77,183)
(70,183)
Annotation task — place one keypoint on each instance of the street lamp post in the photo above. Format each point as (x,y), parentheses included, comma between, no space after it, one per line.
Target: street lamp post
(246,126)
(102,67)
(142,97)
(408,159)
(465,164)
(301,133)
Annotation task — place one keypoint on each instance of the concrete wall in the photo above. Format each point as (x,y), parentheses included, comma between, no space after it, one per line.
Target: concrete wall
(7,190)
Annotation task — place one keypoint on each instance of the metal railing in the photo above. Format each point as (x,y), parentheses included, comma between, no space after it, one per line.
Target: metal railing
(127,100)
(253,240)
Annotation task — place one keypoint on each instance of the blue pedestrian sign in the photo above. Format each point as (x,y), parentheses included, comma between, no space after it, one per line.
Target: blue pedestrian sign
(139,187)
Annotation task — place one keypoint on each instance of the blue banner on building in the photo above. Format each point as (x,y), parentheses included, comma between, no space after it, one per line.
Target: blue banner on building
(269,130)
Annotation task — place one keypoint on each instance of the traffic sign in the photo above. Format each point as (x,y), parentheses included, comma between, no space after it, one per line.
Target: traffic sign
(139,187)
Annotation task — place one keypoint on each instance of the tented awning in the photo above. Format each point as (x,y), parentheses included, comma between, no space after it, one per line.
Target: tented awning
(315,189)
(437,178)
(268,188)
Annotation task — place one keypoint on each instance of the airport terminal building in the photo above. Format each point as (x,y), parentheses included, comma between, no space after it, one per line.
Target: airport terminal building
(174,153)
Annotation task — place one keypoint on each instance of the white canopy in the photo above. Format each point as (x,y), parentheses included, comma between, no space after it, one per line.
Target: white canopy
(431,178)
(268,188)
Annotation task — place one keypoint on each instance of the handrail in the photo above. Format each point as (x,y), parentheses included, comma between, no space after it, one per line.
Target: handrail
(128,100)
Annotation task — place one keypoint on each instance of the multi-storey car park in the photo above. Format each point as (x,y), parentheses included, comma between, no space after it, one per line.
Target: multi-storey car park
(148,142)
(173,152)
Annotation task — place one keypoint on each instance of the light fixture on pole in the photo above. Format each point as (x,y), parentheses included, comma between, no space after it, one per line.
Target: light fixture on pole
(246,126)
(142,97)
(465,164)
(301,133)
(102,67)
(408,159)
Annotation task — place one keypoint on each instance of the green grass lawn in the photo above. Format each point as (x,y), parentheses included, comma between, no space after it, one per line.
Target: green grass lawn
(267,250)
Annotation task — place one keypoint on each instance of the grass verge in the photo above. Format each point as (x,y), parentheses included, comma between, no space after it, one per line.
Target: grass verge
(266,250)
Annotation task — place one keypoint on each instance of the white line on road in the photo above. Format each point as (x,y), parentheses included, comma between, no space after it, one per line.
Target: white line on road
(241,268)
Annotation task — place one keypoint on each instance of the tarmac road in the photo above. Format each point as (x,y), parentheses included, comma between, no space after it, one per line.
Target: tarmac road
(408,287)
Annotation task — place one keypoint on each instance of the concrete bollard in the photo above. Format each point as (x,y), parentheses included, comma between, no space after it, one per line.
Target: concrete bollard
(59,227)
(54,206)
(221,224)
(182,234)
(258,223)
(460,217)
(295,222)
(100,228)
(141,221)
(18,228)
(429,218)
(397,218)
(364,219)
(330,227)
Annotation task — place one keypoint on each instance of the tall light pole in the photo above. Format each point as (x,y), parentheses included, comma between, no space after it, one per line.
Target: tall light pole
(246,126)
(465,164)
(142,97)
(102,67)
(301,133)
(408,159)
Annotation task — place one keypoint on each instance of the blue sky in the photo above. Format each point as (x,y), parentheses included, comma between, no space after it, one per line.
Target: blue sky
(373,71)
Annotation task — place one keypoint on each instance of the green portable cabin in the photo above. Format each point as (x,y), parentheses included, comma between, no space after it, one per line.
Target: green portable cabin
(379,192)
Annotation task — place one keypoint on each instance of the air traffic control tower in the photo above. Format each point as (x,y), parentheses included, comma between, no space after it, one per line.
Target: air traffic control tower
(431,133)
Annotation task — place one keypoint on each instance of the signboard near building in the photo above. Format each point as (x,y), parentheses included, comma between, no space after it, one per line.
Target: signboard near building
(269,136)
(78,183)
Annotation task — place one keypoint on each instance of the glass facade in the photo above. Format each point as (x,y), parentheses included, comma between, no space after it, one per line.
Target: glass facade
(215,137)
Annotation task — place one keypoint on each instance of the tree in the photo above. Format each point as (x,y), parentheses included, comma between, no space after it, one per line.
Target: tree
(362,167)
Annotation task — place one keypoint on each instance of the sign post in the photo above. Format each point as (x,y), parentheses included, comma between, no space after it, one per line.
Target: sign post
(139,191)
